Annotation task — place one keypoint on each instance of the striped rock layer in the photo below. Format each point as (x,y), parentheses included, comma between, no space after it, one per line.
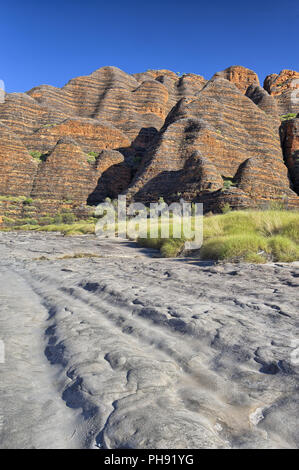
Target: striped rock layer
(236,138)
(148,135)
(285,90)
(290,143)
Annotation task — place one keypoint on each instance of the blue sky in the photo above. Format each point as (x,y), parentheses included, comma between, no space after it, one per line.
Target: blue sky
(51,42)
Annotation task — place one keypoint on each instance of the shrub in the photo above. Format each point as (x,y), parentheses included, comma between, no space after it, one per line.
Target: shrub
(169,247)
(27,221)
(228,182)
(65,217)
(58,219)
(92,156)
(68,217)
(279,204)
(28,201)
(38,156)
(226,208)
(13,198)
(8,220)
(287,117)
(46,220)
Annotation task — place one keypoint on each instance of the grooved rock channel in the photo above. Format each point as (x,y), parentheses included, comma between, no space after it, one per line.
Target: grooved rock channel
(123,351)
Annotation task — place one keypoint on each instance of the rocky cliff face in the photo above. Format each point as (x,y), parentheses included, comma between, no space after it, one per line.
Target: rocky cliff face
(290,144)
(241,77)
(152,134)
(237,139)
(282,88)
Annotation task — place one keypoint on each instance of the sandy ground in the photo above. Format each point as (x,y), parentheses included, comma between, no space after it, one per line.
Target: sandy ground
(130,351)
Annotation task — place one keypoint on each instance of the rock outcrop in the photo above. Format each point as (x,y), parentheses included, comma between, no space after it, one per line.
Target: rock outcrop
(17,167)
(240,76)
(112,176)
(228,129)
(263,100)
(290,144)
(90,134)
(283,88)
(65,174)
(151,134)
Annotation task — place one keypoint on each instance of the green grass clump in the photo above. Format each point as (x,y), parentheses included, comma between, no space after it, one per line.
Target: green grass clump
(46,220)
(79,228)
(226,208)
(252,236)
(168,247)
(287,117)
(76,228)
(283,249)
(27,221)
(12,198)
(233,247)
(65,217)
(9,220)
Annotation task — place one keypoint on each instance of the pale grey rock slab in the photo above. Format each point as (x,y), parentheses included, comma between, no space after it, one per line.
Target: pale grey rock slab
(131,351)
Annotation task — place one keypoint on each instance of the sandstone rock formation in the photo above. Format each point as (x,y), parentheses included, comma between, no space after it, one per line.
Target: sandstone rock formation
(150,134)
(282,88)
(55,178)
(112,175)
(290,143)
(262,99)
(228,129)
(90,134)
(240,76)
(17,167)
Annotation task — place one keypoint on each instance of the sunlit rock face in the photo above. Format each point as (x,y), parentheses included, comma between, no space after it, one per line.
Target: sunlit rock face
(283,88)
(164,134)
(241,77)
(232,133)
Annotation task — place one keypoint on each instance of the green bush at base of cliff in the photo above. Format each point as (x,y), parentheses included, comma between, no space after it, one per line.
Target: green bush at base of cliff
(38,156)
(287,117)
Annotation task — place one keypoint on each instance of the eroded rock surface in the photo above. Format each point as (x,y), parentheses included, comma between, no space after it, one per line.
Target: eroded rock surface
(284,87)
(230,131)
(240,76)
(290,143)
(129,351)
